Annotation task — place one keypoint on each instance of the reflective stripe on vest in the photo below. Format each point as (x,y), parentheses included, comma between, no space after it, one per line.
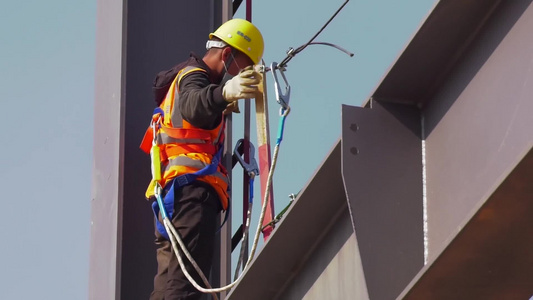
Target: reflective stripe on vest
(163,138)
(187,162)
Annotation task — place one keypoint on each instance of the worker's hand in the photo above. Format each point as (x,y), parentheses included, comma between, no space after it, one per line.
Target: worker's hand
(242,86)
(232,107)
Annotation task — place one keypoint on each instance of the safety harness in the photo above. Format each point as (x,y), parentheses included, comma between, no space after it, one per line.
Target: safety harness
(178,182)
(169,146)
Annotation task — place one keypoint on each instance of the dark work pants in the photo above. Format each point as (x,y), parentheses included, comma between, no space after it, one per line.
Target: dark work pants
(196,207)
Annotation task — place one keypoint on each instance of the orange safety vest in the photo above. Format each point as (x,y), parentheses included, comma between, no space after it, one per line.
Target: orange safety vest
(184,148)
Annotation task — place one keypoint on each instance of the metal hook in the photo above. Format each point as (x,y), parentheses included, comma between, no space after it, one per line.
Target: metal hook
(154,133)
(251,168)
(154,125)
(282,98)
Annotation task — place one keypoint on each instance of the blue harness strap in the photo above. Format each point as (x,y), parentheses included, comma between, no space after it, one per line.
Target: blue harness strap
(178,182)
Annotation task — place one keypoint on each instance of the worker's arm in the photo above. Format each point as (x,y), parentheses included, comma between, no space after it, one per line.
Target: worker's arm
(200,102)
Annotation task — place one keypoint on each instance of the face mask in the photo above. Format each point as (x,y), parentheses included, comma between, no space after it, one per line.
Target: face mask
(227,76)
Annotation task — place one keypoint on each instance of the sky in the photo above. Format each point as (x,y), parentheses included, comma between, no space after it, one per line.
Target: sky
(47,58)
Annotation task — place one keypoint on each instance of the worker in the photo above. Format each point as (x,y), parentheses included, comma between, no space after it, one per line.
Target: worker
(188,126)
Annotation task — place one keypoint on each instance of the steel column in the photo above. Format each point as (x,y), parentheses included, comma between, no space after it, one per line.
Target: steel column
(135,40)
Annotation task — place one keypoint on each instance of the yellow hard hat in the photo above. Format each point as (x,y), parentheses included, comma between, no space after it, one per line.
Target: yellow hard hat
(243,36)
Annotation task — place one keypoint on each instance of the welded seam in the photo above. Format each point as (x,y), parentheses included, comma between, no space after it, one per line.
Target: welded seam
(424,193)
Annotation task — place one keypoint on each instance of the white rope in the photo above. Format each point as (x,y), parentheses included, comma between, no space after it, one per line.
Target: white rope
(174,237)
(263,209)
(170,228)
(244,240)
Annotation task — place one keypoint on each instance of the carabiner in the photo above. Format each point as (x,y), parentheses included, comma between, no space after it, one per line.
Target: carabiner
(158,190)
(251,168)
(154,133)
(282,98)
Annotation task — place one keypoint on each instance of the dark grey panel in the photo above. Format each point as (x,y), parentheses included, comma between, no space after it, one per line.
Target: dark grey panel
(382,172)
(491,257)
(159,34)
(135,40)
(297,236)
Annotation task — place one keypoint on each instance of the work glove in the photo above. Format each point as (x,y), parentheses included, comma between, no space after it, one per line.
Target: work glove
(233,107)
(242,86)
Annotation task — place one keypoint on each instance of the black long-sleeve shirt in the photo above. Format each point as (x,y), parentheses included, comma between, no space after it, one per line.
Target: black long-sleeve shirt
(200,96)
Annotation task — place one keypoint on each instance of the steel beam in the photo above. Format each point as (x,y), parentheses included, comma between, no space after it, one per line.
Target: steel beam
(221,271)
(490,258)
(135,40)
(297,237)
(107,182)
(437,46)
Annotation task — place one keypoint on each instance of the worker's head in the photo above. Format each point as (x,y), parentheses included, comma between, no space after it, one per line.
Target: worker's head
(238,43)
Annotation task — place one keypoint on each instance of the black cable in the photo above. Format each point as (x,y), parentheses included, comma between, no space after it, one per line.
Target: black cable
(334,46)
(291,52)
(236,5)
